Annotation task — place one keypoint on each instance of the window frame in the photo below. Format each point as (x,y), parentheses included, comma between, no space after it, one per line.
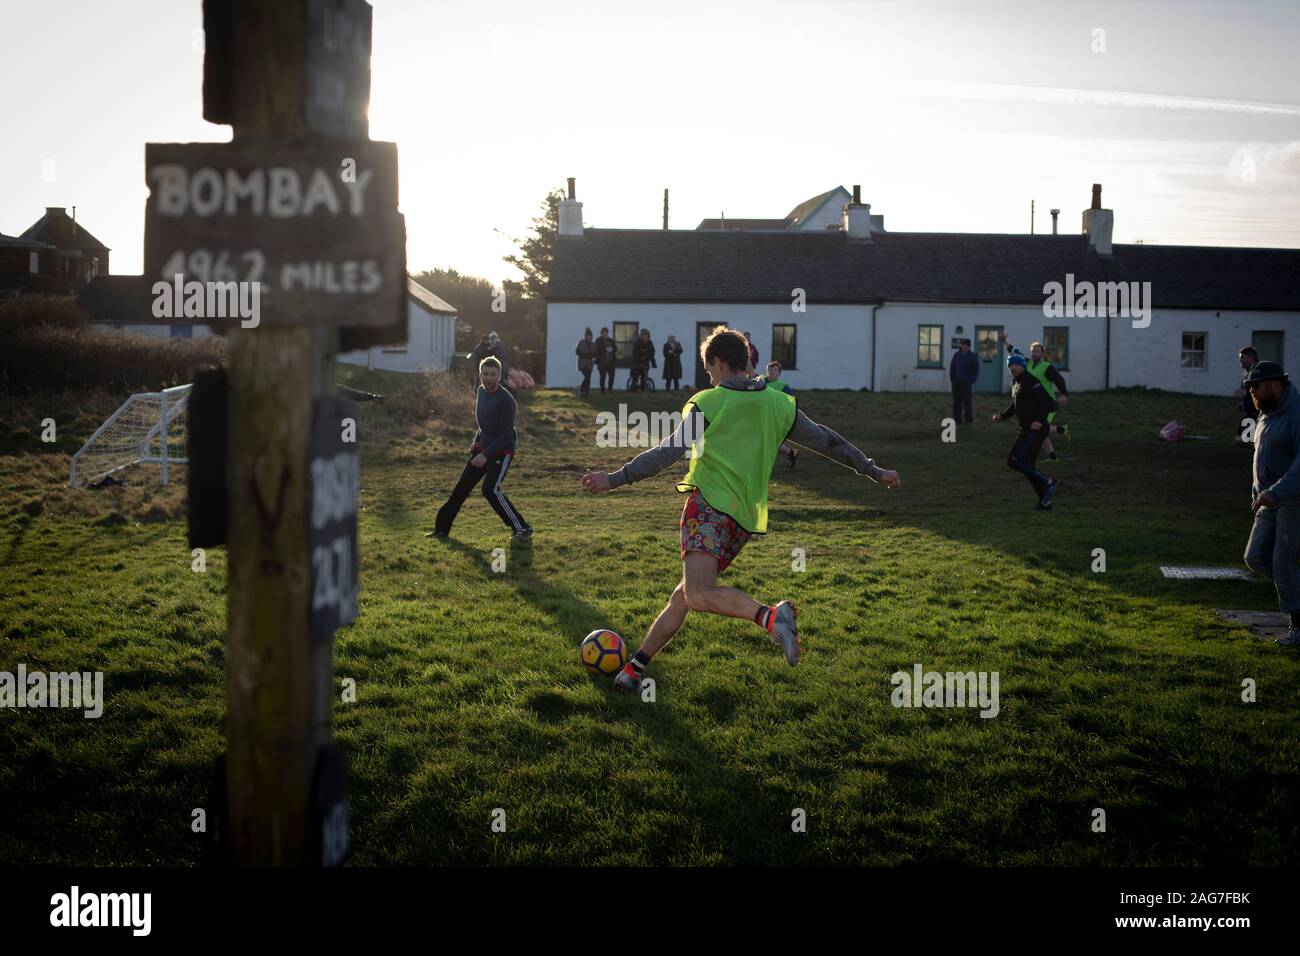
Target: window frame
(1064,365)
(622,361)
(1184,351)
(793,345)
(938,346)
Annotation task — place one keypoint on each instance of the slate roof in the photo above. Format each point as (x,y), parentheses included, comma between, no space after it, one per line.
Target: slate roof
(793,218)
(742,224)
(56,228)
(809,206)
(118,298)
(12,241)
(427,299)
(655,265)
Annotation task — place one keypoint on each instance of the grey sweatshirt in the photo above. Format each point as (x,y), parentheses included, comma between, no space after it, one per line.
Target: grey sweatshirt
(1277,449)
(805,433)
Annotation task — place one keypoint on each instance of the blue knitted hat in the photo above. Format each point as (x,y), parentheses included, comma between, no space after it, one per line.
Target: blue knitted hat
(1015,358)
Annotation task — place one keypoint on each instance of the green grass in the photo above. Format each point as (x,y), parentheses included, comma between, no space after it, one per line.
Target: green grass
(1119,690)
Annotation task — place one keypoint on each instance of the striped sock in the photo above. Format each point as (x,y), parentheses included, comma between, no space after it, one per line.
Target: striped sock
(639,662)
(765,618)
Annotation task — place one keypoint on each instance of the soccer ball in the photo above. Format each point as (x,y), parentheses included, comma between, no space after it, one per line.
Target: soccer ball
(603,652)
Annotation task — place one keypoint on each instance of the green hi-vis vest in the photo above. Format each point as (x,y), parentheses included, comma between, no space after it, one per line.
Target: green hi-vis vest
(1039,371)
(777,384)
(731,464)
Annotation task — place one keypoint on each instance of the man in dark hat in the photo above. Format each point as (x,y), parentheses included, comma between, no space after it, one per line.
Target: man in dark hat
(1275,495)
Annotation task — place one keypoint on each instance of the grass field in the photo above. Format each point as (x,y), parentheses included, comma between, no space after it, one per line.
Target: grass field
(1118,690)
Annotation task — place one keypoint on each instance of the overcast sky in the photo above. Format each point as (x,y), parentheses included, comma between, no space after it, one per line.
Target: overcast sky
(951,114)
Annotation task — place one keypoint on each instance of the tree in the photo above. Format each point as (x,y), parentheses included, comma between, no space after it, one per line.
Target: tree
(472,297)
(536,254)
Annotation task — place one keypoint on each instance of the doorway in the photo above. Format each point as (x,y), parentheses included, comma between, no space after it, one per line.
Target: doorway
(988,346)
(1268,345)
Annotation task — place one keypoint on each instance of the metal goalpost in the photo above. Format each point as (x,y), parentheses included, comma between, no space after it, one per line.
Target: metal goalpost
(148,428)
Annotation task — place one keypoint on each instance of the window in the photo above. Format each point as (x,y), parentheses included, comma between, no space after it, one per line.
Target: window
(1056,346)
(625,334)
(783,341)
(1193,350)
(929,346)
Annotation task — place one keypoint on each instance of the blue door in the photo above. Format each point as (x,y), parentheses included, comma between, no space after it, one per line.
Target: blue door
(988,346)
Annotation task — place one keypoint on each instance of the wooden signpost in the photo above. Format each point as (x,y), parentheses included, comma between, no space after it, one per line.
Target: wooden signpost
(312,224)
(293,79)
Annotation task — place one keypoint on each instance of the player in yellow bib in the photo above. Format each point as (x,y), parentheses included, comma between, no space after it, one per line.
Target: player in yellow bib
(733,432)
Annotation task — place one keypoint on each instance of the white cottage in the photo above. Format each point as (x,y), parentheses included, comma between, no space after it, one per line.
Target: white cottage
(430,337)
(849,305)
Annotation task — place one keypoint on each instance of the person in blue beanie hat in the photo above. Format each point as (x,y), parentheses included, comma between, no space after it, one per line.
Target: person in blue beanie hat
(1031,405)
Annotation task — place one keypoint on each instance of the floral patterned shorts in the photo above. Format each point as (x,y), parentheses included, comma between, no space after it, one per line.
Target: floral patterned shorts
(710,531)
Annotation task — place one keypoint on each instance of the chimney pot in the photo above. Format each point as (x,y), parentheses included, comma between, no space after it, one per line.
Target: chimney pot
(1096,195)
(857,194)
(573,190)
(1055,213)
(570,214)
(855,221)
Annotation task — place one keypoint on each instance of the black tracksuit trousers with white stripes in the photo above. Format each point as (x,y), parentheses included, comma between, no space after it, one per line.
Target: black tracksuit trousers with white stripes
(492,474)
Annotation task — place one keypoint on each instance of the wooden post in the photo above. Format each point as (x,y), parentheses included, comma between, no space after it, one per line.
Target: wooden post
(278,685)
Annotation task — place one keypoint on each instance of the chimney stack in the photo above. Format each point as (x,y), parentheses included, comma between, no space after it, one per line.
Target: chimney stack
(856,218)
(1055,213)
(1098,224)
(571,214)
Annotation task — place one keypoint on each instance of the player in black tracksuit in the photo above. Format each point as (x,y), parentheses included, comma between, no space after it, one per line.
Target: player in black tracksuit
(494,447)
(1031,405)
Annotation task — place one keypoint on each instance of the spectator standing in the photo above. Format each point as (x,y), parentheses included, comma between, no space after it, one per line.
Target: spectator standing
(586,352)
(606,354)
(672,363)
(1248,358)
(502,355)
(963,372)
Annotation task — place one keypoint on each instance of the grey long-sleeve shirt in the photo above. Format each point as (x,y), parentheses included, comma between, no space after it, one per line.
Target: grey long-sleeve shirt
(805,433)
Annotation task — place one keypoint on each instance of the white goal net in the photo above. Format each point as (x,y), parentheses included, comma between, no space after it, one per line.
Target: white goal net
(149,428)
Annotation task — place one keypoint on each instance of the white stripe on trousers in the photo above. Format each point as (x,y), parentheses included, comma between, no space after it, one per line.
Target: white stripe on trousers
(505,504)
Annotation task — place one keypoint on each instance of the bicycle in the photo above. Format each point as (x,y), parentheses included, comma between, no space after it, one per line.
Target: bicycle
(638,379)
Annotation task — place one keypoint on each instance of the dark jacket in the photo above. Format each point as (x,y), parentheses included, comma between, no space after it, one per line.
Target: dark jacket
(1277,449)
(1246,406)
(586,352)
(643,354)
(1029,401)
(672,360)
(1058,381)
(495,414)
(606,351)
(964,369)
